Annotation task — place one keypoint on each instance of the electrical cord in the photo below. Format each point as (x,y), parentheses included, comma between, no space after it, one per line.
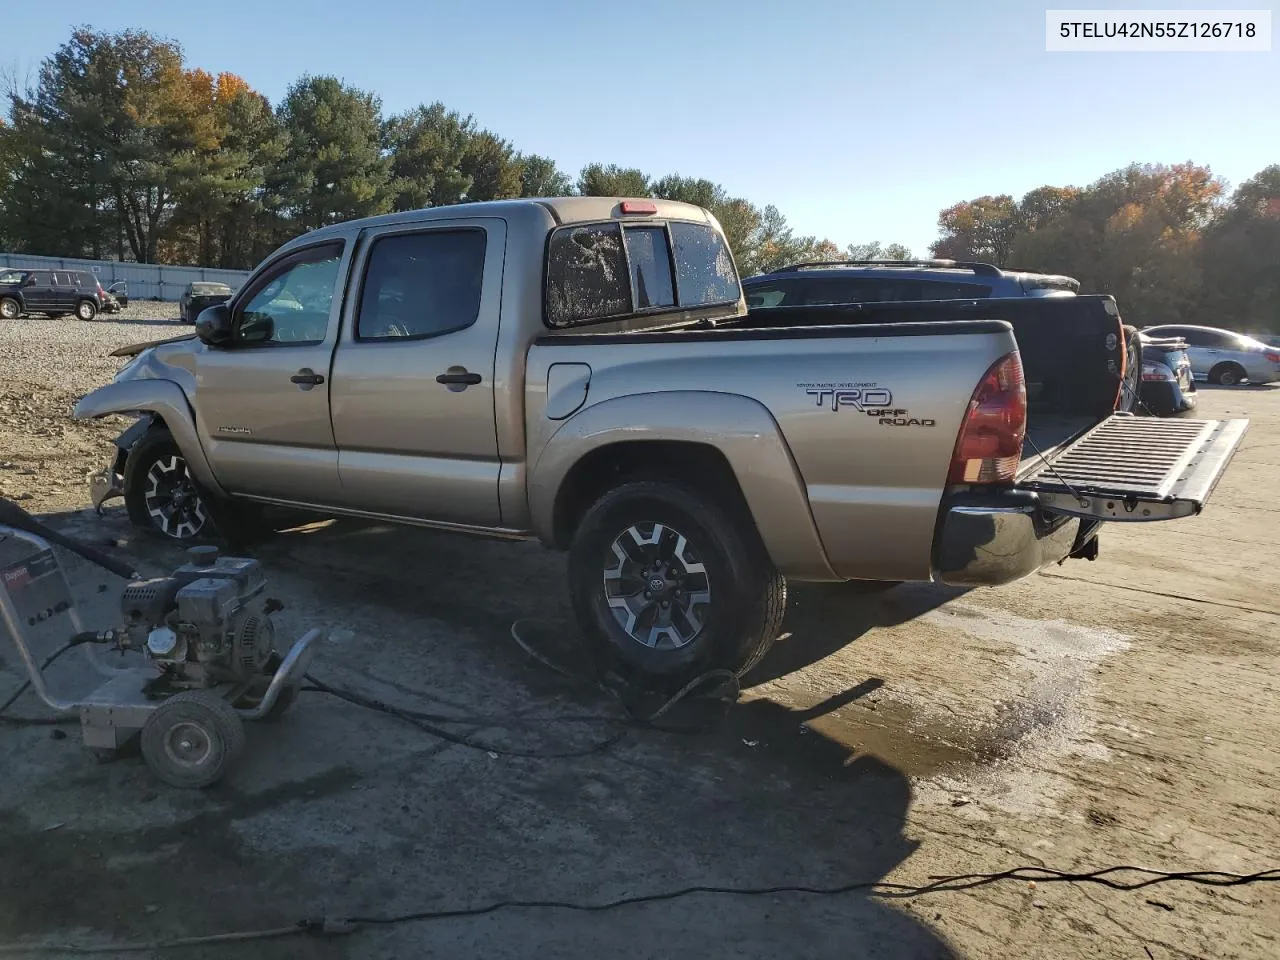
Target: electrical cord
(325,927)
(430,722)
(75,641)
(416,719)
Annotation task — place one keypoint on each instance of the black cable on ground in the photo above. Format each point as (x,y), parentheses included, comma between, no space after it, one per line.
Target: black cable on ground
(77,640)
(432,727)
(324,927)
(429,722)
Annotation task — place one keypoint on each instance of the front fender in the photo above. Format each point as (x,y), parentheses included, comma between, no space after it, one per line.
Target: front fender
(166,400)
(742,429)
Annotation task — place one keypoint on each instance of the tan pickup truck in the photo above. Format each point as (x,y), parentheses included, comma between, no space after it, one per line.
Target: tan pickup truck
(584,371)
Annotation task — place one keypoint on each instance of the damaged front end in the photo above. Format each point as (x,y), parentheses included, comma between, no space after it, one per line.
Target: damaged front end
(108,483)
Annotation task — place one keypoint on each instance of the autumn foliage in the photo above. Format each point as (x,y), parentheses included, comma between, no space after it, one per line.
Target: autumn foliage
(1166,241)
(121,150)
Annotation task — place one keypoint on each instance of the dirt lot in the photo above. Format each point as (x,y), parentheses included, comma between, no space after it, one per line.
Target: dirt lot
(1117,712)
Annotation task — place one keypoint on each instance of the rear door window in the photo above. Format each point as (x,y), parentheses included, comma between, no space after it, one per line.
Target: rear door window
(944,290)
(419,285)
(767,295)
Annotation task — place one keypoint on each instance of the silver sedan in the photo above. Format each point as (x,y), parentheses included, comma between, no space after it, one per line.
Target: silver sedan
(1223,356)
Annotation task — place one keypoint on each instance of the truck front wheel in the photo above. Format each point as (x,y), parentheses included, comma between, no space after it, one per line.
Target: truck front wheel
(164,500)
(668,585)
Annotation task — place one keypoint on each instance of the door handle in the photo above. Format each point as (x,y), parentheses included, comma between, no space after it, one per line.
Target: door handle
(306,377)
(460,377)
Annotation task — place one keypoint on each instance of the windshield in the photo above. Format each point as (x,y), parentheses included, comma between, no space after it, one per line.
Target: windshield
(12,276)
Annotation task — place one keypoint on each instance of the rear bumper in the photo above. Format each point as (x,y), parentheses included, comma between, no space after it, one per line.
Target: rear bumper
(986,539)
(1166,398)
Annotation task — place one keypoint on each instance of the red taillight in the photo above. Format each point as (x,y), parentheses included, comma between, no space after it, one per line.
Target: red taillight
(990,443)
(639,206)
(1272,356)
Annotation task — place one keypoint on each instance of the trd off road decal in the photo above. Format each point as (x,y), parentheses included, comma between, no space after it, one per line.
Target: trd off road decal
(866,398)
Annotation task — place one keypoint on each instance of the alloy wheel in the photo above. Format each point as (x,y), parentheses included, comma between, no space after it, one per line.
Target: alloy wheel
(656,586)
(172,501)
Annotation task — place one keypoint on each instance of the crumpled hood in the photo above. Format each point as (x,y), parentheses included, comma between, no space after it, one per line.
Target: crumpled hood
(133,349)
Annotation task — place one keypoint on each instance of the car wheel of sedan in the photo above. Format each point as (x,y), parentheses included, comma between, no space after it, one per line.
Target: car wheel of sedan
(10,309)
(86,310)
(1227,374)
(668,585)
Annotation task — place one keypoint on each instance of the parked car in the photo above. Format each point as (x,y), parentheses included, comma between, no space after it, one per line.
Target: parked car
(832,282)
(199,295)
(1223,356)
(584,371)
(879,281)
(115,297)
(51,292)
(1168,388)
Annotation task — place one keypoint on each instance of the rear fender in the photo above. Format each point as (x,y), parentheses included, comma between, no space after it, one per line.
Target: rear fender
(742,430)
(164,399)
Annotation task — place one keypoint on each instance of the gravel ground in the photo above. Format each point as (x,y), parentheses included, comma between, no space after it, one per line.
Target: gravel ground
(48,364)
(1122,711)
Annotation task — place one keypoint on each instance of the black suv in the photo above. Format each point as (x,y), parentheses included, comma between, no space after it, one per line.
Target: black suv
(892,281)
(889,281)
(51,292)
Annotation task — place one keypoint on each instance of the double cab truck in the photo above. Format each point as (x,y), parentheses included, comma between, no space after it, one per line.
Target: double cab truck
(584,371)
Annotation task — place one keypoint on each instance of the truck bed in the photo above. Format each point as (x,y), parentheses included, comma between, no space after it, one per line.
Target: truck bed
(1071,348)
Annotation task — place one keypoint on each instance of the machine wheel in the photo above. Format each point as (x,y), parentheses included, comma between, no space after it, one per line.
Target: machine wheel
(86,310)
(668,585)
(1227,374)
(10,309)
(191,738)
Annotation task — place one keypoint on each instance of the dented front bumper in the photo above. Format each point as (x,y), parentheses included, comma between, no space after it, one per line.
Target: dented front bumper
(108,483)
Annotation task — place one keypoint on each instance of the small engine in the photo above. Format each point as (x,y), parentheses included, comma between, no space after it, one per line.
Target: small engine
(204,624)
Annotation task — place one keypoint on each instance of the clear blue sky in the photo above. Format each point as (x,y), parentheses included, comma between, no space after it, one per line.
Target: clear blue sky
(860,121)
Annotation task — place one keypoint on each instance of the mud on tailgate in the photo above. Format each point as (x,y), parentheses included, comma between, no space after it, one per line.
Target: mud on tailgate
(1137,468)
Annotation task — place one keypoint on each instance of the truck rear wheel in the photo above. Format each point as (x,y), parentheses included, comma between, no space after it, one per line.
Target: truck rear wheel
(668,585)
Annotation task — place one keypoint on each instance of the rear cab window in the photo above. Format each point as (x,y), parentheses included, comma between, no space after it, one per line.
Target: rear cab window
(607,271)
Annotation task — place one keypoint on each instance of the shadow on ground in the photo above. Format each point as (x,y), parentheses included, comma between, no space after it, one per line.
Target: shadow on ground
(353,812)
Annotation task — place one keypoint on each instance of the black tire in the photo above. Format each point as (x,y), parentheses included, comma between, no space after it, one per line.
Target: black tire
(1130,392)
(86,310)
(206,517)
(161,496)
(1227,374)
(191,738)
(10,309)
(721,556)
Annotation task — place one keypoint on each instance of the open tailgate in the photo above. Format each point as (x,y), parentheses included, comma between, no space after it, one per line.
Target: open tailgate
(1137,468)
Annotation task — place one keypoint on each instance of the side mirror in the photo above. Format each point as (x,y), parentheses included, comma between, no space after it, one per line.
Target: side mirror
(31,282)
(213,326)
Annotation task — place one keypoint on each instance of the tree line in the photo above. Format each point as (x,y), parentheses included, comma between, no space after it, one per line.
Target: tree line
(119,150)
(1167,242)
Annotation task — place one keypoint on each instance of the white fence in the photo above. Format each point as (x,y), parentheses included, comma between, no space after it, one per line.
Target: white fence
(147,281)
